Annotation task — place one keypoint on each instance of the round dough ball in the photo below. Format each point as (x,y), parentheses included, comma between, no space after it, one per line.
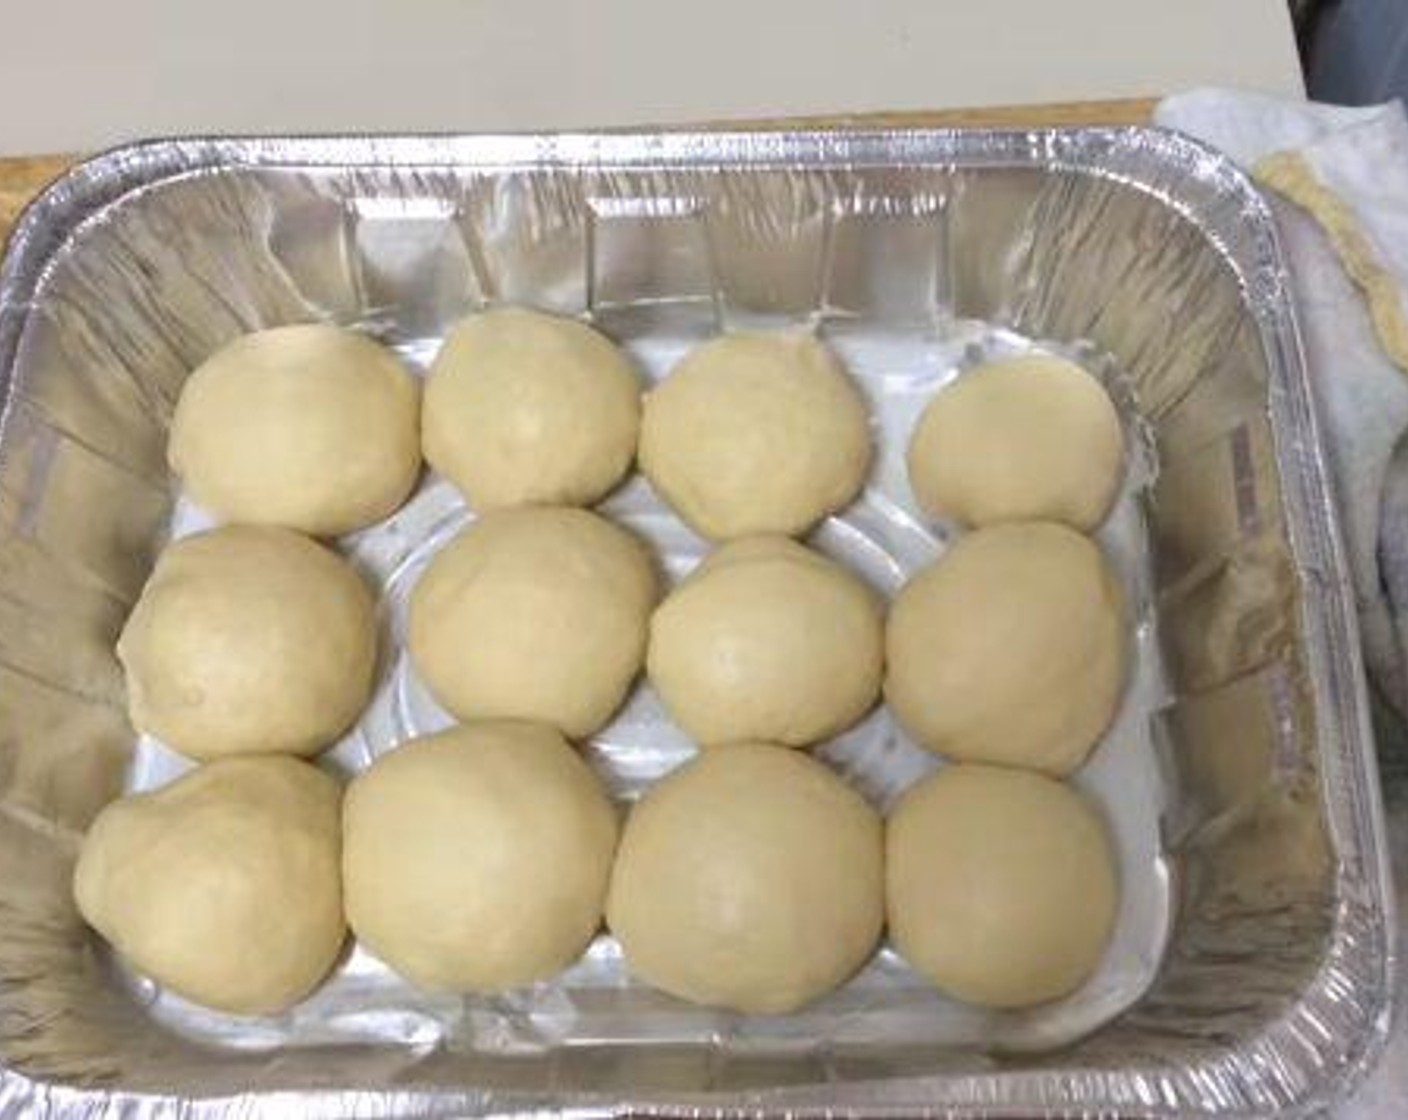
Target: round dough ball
(477,860)
(249,640)
(223,886)
(313,427)
(1011,649)
(1031,438)
(524,408)
(750,878)
(534,613)
(767,640)
(1000,885)
(756,433)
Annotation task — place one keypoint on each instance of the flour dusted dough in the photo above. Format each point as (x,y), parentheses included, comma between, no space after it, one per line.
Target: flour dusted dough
(750,878)
(527,408)
(756,433)
(1011,649)
(534,613)
(1024,438)
(1000,885)
(477,860)
(249,639)
(223,886)
(309,426)
(767,640)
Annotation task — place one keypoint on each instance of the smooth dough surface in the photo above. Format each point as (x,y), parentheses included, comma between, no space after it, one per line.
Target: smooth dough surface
(249,639)
(477,860)
(223,886)
(1001,885)
(535,613)
(767,640)
(1011,649)
(1029,438)
(750,878)
(756,433)
(312,426)
(527,408)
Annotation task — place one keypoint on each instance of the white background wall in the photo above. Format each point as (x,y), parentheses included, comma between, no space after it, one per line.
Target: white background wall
(77,76)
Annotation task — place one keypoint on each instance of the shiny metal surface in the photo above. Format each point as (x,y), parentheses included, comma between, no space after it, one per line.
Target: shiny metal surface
(911,252)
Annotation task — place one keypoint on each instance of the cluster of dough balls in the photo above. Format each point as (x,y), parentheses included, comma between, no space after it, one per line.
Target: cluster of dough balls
(486,857)
(253,643)
(1009,657)
(253,637)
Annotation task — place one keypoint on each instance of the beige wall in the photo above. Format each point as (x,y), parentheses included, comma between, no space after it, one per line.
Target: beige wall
(82,75)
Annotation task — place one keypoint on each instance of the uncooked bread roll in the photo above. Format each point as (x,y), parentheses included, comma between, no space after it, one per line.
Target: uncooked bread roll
(524,408)
(477,860)
(311,426)
(1022,439)
(249,639)
(750,878)
(1011,649)
(223,886)
(534,613)
(756,433)
(1000,885)
(767,640)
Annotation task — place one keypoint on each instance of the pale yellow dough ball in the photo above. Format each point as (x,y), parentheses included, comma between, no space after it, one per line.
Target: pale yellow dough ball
(535,613)
(1029,438)
(767,640)
(750,878)
(223,886)
(313,427)
(1011,649)
(756,433)
(1001,885)
(524,408)
(477,860)
(249,639)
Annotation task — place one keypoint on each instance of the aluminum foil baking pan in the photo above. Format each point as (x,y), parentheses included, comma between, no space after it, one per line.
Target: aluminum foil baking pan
(1260,983)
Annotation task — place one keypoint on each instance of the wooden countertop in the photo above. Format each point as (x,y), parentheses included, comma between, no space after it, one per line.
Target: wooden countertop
(22,178)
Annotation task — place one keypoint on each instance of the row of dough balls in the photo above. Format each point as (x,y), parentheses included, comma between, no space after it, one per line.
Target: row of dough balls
(484,858)
(321,429)
(1011,649)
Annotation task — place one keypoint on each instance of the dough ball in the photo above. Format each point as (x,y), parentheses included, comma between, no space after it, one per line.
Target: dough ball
(1031,438)
(477,859)
(756,433)
(313,427)
(534,613)
(1011,649)
(767,640)
(1000,885)
(750,878)
(249,640)
(223,886)
(524,408)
